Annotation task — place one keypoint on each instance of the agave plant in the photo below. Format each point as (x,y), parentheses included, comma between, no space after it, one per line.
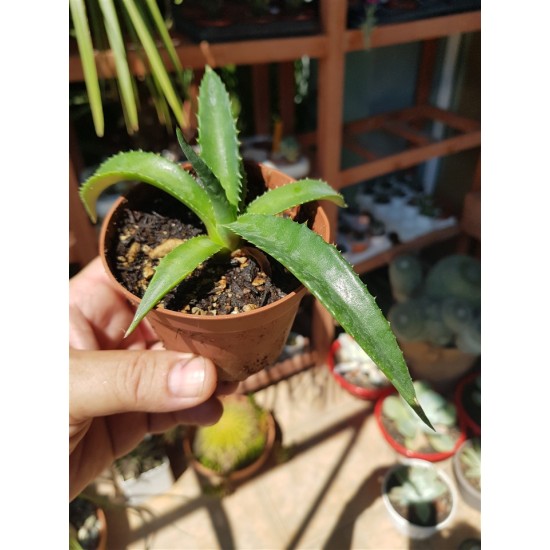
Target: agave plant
(216,195)
(106,24)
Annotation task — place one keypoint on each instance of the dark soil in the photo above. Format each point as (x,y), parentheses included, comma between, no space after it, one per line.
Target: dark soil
(152,223)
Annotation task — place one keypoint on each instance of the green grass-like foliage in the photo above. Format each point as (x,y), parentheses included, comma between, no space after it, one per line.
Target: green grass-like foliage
(236,440)
(216,196)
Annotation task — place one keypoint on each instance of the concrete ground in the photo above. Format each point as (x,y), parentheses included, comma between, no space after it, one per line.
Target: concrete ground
(319,490)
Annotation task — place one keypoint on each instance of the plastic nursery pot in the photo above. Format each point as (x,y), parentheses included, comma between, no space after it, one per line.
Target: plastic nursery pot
(469,492)
(240,474)
(368,394)
(240,344)
(403,524)
(468,419)
(95,536)
(404,451)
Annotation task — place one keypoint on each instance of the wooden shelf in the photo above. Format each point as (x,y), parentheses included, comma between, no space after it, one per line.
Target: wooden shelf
(279,371)
(414,31)
(196,56)
(423,241)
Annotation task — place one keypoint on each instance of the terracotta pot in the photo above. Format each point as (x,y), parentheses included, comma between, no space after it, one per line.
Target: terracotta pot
(237,475)
(240,344)
(442,367)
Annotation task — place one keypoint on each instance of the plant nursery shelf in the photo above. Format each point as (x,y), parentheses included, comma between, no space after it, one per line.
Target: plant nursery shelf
(383,258)
(412,132)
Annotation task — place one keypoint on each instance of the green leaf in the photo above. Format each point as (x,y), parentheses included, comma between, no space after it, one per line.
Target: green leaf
(331,279)
(172,269)
(225,212)
(298,192)
(218,135)
(119,53)
(155,61)
(86,50)
(157,171)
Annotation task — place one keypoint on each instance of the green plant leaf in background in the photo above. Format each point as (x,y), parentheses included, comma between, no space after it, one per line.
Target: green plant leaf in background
(143,24)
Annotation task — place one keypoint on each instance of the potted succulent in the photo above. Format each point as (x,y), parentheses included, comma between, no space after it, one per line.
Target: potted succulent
(467,398)
(237,446)
(419,498)
(230,217)
(355,371)
(467,470)
(145,471)
(437,315)
(410,437)
(87,525)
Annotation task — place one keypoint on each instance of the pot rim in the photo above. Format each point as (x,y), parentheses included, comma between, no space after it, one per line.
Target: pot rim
(206,320)
(241,473)
(467,421)
(370,394)
(412,529)
(463,481)
(428,457)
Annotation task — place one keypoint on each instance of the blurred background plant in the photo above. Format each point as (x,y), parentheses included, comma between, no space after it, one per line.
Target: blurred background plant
(129,27)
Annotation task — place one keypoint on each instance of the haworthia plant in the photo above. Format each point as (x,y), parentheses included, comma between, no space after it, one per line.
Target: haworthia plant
(216,197)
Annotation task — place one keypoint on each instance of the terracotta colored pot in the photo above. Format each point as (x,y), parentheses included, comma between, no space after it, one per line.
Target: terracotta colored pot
(368,394)
(408,453)
(240,344)
(442,367)
(237,475)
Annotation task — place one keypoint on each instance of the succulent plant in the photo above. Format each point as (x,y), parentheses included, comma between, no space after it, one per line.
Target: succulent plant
(406,276)
(216,193)
(418,488)
(456,275)
(440,411)
(236,440)
(150,453)
(444,309)
(470,457)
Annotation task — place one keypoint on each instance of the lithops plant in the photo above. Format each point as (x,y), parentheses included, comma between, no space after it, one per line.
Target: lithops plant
(414,435)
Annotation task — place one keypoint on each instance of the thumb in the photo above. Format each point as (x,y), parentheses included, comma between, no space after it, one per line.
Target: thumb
(109,382)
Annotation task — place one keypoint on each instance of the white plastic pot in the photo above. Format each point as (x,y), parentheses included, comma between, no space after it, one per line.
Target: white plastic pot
(154,482)
(403,525)
(469,493)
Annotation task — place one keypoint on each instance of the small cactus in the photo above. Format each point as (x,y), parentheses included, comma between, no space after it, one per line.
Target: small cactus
(443,308)
(236,440)
(406,276)
(407,320)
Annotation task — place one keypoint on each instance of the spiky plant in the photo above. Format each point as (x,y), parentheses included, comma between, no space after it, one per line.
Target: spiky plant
(217,196)
(236,440)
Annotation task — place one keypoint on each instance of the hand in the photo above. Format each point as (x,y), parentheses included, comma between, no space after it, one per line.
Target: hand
(121,389)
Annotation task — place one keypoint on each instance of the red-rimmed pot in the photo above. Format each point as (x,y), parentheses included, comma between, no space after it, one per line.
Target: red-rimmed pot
(368,394)
(408,453)
(466,416)
(240,344)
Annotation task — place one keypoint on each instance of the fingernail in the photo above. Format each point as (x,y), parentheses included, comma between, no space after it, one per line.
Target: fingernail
(186,379)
